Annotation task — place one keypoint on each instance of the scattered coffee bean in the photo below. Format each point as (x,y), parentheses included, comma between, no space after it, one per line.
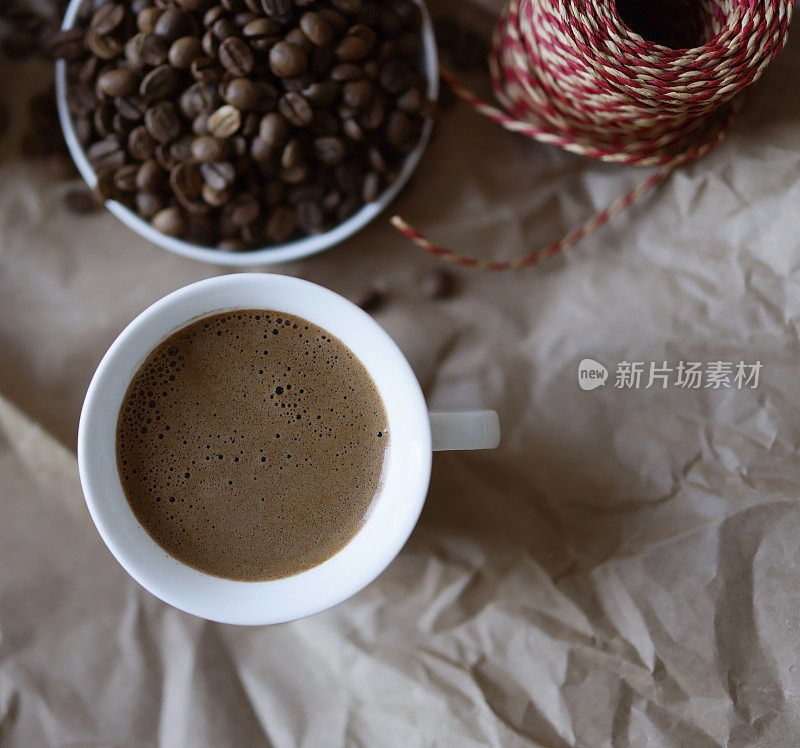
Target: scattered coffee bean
(81,200)
(370,299)
(438,284)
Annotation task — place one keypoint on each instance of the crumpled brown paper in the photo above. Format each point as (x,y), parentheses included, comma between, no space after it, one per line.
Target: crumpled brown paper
(623,571)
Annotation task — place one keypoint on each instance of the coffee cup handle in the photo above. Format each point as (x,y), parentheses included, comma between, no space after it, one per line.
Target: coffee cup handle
(471,429)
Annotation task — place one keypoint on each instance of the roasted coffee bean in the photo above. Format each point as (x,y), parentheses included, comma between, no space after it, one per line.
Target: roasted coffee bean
(145,49)
(411,101)
(81,99)
(106,154)
(104,187)
(236,56)
(174,23)
(348,207)
(141,145)
(346,71)
(219,176)
(329,150)
(366,34)
(199,97)
(104,47)
(399,128)
(163,122)
(119,82)
(184,51)
(186,183)
(125,178)
(83,130)
(262,27)
(286,59)
(150,177)
(206,69)
(207,148)
(148,204)
(310,217)
(296,109)
(349,176)
(352,129)
(356,94)
(322,93)
(131,107)
(200,123)
(299,39)
(438,284)
(260,150)
(214,198)
(348,7)
(352,49)
(212,15)
(147,18)
(121,126)
(81,200)
(232,245)
(162,82)
(281,224)
(180,150)
(243,209)
(210,44)
(292,154)
(376,159)
(273,129)
(331,200)
(371,187)
(170,221)
(67,45)
(225,121)
(373,115)
(103,119)
(296,174)
(242,93)
(108,18)
(277,8)
(250,125)
(395,77)
(317,28)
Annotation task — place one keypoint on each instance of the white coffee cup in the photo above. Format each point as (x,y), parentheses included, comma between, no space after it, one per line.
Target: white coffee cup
(414,434)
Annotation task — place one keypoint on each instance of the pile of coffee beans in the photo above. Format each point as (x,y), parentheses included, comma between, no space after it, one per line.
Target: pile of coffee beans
(249,122)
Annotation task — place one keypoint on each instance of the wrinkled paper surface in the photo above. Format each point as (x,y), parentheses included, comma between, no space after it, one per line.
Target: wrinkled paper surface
(624,570)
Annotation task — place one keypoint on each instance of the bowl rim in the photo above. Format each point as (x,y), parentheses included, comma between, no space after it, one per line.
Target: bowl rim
(278,253)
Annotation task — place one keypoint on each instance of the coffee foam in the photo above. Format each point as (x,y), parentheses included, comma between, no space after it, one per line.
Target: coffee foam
(250,444)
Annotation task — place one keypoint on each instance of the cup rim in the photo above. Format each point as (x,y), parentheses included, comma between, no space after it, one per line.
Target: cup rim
(360,561)
(273,254)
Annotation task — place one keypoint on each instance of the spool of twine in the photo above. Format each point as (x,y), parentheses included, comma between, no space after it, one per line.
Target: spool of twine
(573,74)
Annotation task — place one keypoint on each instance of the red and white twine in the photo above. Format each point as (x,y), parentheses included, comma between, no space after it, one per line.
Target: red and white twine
(571,73)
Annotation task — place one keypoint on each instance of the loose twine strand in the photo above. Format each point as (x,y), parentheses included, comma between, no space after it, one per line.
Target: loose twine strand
(571,73)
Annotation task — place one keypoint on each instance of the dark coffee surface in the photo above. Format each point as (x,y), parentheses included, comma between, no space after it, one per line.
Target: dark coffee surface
(250,444)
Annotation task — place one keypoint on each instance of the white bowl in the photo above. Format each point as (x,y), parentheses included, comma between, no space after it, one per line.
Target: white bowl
(278,252)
